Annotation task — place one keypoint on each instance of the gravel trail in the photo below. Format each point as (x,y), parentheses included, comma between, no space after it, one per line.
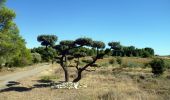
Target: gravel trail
(21,75)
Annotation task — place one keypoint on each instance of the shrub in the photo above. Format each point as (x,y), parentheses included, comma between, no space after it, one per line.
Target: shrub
(48,78)
(158,66)
(21,60)
(36,57)
(112,61)
(87,60)
(132,64)
(167,63)
(119,60)
(146,54)
(105,64)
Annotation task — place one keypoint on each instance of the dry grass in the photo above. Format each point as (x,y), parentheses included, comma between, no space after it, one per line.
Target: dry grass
(102,84)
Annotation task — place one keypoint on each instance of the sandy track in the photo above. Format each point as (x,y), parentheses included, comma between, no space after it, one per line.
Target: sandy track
(21,75)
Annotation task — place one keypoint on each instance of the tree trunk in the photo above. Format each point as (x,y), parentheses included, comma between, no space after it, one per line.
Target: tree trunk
(64,66)
(78,78)
(66,74)
(80,70)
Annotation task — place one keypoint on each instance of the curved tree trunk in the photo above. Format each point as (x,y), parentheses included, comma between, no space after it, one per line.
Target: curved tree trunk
(78,78)
(64,66)
(66,74)
(80,70)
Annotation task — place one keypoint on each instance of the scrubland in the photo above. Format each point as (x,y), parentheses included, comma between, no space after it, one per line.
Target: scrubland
(132,80)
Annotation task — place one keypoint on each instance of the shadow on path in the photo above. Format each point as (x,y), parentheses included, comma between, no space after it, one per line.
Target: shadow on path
(13,86)
(16,88)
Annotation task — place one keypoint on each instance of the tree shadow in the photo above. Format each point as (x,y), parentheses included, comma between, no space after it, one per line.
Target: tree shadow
(45,84)
(16,88)
(12,83)
(44,81)
(12,86)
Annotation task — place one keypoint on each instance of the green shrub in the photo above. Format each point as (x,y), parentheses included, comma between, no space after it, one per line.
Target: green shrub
(146,54)
(119,60)
(87,60)
(167,63)
(48,78)
(112,61)
(158,66)
(36,57)
(105,64)
(23,59)
(132,64)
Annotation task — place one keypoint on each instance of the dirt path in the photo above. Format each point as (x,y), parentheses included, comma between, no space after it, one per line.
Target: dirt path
(20,75)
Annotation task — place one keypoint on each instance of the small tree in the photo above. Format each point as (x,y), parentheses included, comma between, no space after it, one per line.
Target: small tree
(69,49)
(158,66)
(47,40)
(63,48)
(94,44)
(116,47)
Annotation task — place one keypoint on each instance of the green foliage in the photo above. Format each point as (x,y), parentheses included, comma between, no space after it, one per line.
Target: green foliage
(158,66)
(86,51)
(112,61)
(45,56)
(98,44)
(133,64)
(119,60)
(69,43)
(84,41)
(48,78)
(167,63)
(130,51)
(146,54)
(87,60)
(47,40)
(150,50)
(36,57)
(79,54)
(6,19)
(12,46)
(115,45)
(104,64)
(24,58)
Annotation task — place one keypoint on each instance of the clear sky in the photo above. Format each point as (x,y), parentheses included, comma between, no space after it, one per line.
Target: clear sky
(142,23)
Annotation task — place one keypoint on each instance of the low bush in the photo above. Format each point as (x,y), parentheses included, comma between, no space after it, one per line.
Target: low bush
(48,78)
(36,57)
(87,60)
(133,64)
(158,66)
(104,64)
(167,63)
(119,60)
(112,61)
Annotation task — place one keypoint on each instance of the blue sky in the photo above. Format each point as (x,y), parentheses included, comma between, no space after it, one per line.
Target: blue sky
(142,23)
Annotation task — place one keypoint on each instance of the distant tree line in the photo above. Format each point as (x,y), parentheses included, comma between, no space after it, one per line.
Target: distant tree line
(130,51)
